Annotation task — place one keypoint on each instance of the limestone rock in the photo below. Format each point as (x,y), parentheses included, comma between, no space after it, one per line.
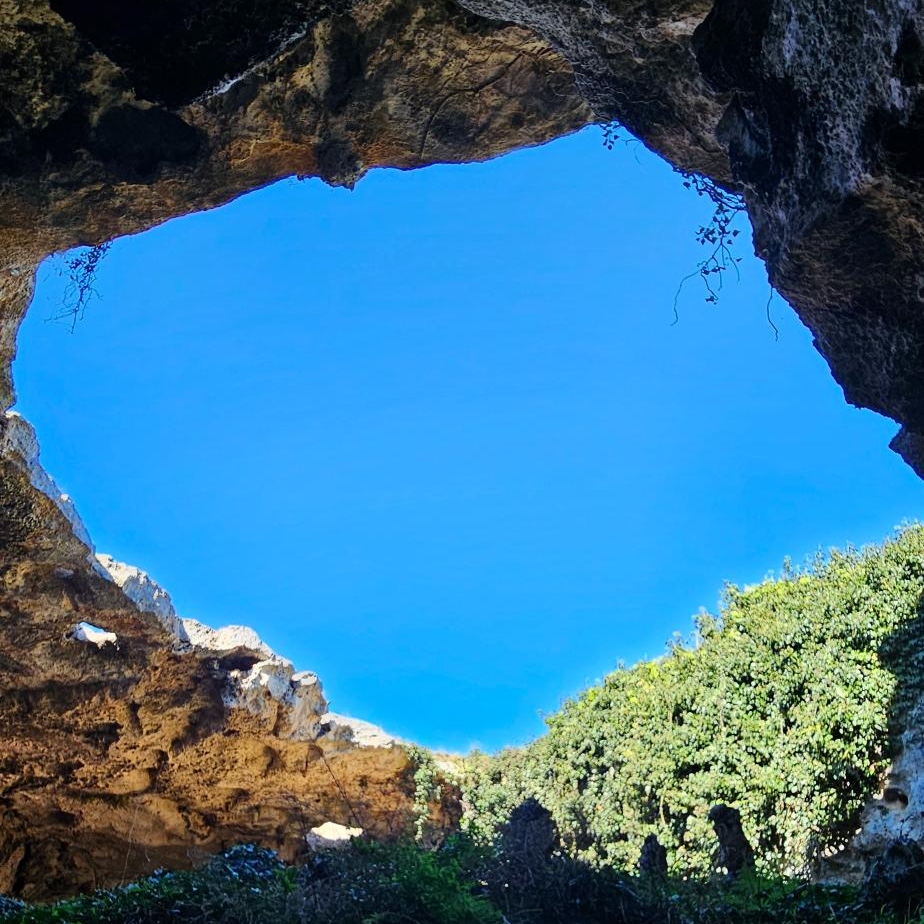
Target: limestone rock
(331,836)
(93,635)
(357,732)
(894,816)
(18,441)
(134,739)
(146,594)
(228,641)
(814,111)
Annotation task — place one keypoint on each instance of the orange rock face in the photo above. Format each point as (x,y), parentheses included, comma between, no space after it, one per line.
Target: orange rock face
(130,743)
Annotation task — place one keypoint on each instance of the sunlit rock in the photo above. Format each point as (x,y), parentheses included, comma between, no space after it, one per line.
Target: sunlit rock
(134,739)
(93,635)
(331,836)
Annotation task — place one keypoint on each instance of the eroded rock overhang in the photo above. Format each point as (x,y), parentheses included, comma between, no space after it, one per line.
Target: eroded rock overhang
(133,738)
(116,116)
(814,111)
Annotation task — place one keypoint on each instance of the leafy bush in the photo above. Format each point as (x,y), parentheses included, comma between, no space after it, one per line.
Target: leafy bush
(245,876)
(784,705)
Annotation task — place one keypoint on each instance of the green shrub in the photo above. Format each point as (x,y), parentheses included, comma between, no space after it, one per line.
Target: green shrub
(365,884)
(388,884)
(245,877)
(784,705)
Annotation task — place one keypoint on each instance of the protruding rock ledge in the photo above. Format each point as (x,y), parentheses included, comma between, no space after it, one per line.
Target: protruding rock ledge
(135,738)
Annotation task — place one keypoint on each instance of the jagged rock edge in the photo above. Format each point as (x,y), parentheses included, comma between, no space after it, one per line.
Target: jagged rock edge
(300,692)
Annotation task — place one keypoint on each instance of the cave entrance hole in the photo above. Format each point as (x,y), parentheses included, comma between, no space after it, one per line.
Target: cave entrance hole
(437,440)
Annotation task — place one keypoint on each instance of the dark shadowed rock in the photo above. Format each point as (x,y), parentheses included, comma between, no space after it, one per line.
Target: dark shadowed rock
(652,860)
(530,834)
(895,879)
(735,855)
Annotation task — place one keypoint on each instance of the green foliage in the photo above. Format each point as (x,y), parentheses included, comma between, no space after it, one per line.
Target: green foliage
(756,900)
(785,705)
(387,884)
(492,786)
(427,788)
(429,886)
(365,884)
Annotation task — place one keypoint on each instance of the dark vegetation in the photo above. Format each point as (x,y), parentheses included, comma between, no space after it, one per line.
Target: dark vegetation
(80,266)
(786,705)
(718,236)
(699,788)
(459,883)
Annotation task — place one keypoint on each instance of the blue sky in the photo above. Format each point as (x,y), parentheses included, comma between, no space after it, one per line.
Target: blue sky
(437,438)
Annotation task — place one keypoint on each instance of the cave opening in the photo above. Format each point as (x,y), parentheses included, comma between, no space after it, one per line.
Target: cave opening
(439,439)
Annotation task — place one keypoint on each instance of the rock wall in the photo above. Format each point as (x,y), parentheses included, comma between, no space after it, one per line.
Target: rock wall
(170,741)
(135,739)
(814,111)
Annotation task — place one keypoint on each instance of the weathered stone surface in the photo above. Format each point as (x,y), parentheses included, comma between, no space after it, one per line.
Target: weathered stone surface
(135,739)
(815,112)
(633,62)
(331,836)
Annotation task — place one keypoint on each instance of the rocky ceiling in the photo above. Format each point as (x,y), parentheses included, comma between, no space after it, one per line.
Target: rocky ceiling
(120,114)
